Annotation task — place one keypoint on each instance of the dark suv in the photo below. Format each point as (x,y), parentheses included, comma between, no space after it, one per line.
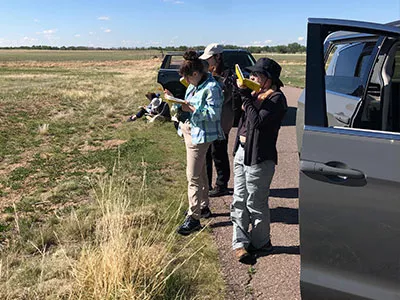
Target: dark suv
(348,126)
(168,75)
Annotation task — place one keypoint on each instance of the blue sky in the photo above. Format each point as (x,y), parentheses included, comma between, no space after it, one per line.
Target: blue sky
(146,23)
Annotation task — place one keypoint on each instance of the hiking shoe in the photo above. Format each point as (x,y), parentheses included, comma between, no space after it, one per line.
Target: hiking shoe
(218,191)
(189,225)
(264,250)
(205,212)
(244,257)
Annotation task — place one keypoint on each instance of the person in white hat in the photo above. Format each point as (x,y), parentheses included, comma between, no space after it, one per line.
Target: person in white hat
(218,151)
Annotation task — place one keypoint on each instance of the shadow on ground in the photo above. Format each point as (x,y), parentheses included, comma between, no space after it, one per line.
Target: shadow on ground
(284,215)
(293,250)
(290,193)
(278,215)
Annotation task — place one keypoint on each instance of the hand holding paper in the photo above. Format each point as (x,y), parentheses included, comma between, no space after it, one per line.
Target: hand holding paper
(246,82)
(172,99)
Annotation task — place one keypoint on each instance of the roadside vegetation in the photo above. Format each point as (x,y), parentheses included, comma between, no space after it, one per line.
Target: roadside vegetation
(89,204)
(293,67)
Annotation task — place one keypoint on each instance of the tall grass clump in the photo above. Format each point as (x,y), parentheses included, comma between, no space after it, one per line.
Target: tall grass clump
(130,257)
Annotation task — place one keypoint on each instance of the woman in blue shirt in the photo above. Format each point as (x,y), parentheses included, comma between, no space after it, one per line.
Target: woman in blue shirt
(203,100)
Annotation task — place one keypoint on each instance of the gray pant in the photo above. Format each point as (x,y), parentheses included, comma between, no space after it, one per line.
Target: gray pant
(250,202)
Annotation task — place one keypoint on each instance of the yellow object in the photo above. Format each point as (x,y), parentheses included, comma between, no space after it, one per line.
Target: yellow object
(172,99)
(184,82)
(246,82)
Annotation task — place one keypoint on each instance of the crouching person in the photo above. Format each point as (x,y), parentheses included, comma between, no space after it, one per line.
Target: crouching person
(203,101)
(155,110)
(255,160)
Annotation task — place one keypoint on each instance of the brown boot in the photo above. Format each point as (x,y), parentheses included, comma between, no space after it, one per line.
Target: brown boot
(244,257)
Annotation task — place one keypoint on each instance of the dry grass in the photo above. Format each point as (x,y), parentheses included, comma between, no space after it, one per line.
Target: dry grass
(43,129)
(62,239)
(128,256)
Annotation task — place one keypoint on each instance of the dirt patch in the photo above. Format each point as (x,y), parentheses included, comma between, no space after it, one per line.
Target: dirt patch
(82,64)
(9,168)
(109,144)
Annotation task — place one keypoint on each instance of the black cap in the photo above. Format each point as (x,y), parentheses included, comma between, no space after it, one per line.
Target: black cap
(268,67)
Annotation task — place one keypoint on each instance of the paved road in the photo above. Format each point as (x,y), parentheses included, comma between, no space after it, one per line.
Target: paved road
(275,276)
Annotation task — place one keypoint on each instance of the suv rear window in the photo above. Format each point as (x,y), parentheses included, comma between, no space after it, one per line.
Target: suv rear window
(241,58)
(347,66)
(175,62)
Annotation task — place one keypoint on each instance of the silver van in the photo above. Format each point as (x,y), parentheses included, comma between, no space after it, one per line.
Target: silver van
(348,129)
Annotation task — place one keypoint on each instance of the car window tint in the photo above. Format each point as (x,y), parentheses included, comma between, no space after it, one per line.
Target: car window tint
(232,58)
(394,105)
(381,111)
(396,70)
(176,61)
(346,67)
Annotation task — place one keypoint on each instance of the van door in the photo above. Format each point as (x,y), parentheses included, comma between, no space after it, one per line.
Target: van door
(349,199)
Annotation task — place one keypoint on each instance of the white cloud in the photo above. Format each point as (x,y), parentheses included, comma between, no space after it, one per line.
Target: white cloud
(25,41)
(36,20)
(104,18)
(300,38)
(77,35)
(49,32)
(259,43)
(29,40)
(173,40)
(107,30)
(174,1)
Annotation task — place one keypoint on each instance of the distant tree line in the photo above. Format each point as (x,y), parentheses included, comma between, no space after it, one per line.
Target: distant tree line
(290,48)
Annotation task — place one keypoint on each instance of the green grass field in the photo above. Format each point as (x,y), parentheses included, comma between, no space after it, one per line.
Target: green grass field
(88,202)
(77,55)
(293,67)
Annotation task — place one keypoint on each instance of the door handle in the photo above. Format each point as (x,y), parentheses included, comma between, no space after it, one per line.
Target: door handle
(342,118)
(337,169)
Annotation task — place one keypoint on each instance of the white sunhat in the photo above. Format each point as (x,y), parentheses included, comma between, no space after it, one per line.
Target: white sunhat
(156,102)
(211,50)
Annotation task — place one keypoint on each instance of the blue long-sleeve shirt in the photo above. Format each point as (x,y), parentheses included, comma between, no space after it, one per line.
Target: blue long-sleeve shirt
(205,122)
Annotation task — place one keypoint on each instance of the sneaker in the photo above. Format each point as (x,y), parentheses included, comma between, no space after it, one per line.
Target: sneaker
(264,250)
(190,225)
(244,257)
(132,118)
(205,212)
(218,191)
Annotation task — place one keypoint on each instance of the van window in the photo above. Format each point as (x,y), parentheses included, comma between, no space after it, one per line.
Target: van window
(394,106)
(347,66)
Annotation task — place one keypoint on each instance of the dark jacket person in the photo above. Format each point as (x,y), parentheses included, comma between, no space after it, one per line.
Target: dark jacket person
(255,159)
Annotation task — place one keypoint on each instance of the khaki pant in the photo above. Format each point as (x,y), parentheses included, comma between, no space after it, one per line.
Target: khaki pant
(196,173)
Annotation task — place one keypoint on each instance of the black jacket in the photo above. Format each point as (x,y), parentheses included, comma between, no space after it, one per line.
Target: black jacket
(262,125)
